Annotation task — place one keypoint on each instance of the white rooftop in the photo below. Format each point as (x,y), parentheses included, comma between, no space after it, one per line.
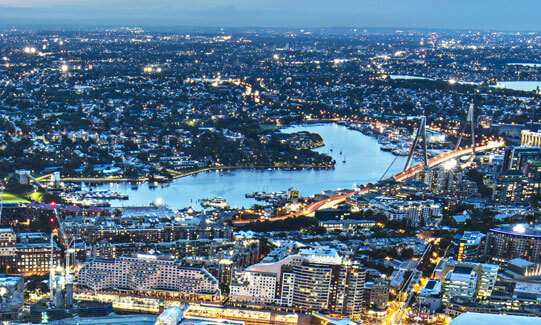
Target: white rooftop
(321,254)
(491,319)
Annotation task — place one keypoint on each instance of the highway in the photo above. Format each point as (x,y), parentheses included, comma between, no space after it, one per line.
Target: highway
(400,177)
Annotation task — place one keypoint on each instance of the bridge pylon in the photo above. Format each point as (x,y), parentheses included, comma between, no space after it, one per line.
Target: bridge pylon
(421,132)
(470,119)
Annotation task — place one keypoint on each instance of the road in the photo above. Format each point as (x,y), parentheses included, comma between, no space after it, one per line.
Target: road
(440,159)
(399,307)
(400,177)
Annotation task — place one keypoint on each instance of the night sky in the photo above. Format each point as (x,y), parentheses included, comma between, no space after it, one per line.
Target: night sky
(522,15)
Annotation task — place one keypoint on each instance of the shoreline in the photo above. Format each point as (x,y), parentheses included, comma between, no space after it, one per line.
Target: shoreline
(208,169)
(177,175)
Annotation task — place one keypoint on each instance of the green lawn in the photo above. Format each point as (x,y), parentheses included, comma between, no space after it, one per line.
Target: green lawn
(10,198)
(36,196)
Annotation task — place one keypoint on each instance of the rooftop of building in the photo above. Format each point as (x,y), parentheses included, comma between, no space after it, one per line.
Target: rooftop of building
(432,287)
(520,262)
(155,211)
(32,237)
(489,319)
(9,280)
(443,262)
(462,269)
(472,237)
(321,254)
(528,287)
(519,229)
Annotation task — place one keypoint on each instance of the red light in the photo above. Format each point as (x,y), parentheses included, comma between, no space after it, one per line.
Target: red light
(52,220)
(53,204)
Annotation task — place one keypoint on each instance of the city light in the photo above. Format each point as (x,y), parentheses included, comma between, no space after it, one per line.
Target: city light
(519,228)
(450,164)
(245,136)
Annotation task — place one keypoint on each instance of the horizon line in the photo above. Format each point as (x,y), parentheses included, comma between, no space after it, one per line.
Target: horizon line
(322,28)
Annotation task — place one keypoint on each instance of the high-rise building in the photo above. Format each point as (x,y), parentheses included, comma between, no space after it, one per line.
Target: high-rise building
(520,177)
(512,187)
(511,241)
(309,286)
(460,281)
(439,179)
(515,157)
(350,290)
(414,211)
(532,170)
(379,294)
(312,280)
(33,253)
(8,241)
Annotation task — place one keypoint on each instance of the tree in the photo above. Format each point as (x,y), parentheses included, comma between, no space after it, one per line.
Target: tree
(406,254)
(476,176)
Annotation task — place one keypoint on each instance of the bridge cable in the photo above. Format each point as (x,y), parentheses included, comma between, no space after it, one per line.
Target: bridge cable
(390,165)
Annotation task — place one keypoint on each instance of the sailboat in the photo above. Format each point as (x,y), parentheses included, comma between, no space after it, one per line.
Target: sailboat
(340,151)
(344,161)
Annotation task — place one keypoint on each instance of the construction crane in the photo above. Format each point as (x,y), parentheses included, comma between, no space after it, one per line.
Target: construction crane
(68,278)
(1,200)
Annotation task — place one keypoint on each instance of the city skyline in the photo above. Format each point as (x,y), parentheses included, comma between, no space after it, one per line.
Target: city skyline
(282,176)
(484,15)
